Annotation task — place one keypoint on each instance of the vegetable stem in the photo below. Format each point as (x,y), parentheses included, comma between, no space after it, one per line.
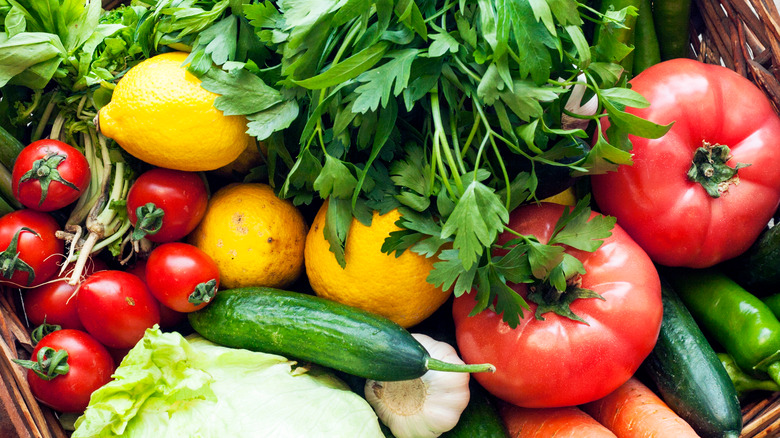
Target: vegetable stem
(438,365)
(439,133)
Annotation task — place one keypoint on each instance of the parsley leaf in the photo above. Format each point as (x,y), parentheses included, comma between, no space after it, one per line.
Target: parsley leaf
(473,232)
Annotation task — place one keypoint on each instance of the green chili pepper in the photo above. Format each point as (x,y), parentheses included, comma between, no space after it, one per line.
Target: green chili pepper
(743,383)
(623,34)
(646,49)
(671,18)
(738,320)
(773,301)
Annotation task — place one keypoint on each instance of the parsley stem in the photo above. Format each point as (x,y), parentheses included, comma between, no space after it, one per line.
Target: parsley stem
(439,133)
(467,70)
(472,134)
(444,9)
(436,160)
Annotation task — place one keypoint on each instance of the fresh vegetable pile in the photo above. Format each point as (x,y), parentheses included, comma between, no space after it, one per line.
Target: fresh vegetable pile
(346,209)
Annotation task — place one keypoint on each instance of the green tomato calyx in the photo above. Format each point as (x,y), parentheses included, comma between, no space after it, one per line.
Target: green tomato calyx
(709,169)
(150,220)
(549,299)
(45,171)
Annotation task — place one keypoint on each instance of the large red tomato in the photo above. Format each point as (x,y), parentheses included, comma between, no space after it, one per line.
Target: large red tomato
(674,218)
(557,361)
(30,248)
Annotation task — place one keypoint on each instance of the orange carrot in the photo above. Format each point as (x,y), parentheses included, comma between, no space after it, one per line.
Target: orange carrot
(634,411)
(569,422)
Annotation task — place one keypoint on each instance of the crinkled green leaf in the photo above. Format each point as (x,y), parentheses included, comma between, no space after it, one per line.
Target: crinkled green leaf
(171,386)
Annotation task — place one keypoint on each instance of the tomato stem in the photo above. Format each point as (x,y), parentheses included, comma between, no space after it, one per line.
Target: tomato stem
(49,363)
(709,169)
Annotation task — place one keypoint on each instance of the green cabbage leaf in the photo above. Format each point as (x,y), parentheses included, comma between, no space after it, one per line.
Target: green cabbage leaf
(170,386)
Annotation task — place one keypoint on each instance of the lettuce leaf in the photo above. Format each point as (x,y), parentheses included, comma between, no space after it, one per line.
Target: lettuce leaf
(169,385)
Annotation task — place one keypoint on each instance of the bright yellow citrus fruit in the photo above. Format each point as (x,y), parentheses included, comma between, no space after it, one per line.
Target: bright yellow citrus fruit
(255,238)
(160,114)
(391,286)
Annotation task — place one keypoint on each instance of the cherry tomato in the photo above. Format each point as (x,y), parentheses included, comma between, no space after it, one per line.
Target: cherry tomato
(54,302)
(688,199)
(116,308)
(169,318)
(49,174)
(89,366)
(559,361)
(165,205)
(182,276)
(30,248)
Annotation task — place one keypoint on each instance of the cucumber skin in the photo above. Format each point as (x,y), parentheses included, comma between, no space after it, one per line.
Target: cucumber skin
(309,328)
(689,375)
(480,419)
(758,268)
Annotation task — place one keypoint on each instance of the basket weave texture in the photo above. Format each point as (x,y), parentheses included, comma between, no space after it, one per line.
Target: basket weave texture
(743,35)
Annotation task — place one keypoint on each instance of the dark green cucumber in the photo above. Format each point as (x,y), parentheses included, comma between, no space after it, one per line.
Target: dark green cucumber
(317,330)
(480,419)
(10,148)
(689,375)
(758,268)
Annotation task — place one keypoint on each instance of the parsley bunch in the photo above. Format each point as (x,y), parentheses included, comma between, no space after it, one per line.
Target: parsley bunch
(443,109)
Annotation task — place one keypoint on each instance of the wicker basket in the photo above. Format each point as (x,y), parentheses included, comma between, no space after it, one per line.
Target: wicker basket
(743,35)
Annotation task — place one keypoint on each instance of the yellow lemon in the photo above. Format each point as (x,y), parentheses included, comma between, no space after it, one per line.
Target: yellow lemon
(566,197)
(391,286)
(160,114)
(255,238)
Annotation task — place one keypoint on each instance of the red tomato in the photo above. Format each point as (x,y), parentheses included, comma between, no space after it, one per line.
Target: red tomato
(673,218)
(182,276)
(172,202)
(558,361)
(30,248)
(49,174)
(89,367)
(169,318)
(116,308)
(55,301)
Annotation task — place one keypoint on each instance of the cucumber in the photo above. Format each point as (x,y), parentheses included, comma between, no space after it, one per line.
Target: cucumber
(10,148)
(317,330)
(758,268)
(689,375)
(480,419)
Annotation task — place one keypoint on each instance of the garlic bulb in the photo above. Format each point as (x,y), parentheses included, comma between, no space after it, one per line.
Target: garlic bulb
(424,407)
(576,106)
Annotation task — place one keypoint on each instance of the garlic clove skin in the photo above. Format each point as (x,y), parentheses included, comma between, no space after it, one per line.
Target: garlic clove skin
(424,407)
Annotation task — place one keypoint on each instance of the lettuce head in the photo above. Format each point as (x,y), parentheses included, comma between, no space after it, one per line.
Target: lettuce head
(171,386)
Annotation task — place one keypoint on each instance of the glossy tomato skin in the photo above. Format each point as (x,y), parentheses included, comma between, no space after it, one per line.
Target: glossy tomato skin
(55,302)
(672,218)
(116,308)
(181,195)
(68,162)
(90,367)
(39,250)
(169,318)
(558,361)
(175,269)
